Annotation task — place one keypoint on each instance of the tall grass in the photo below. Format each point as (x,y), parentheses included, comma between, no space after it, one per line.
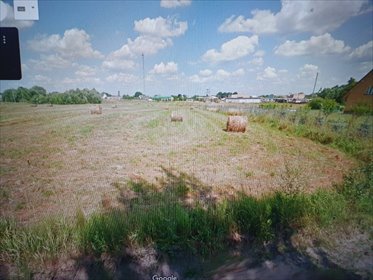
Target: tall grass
(163,220)
(351,134)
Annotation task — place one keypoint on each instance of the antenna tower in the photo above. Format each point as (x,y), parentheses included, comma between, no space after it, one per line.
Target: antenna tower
(314,86)
(143,73)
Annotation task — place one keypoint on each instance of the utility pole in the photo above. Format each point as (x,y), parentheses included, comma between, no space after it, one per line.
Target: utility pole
(314,86)
(143,73)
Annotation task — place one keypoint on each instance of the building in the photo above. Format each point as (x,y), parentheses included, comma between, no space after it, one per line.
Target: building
(242,99)
(163,98)
(361,94)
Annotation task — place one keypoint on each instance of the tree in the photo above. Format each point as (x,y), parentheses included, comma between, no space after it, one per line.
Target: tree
(137,94)
(328,106)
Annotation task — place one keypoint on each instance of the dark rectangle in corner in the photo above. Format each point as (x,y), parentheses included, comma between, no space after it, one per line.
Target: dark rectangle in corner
(10,57)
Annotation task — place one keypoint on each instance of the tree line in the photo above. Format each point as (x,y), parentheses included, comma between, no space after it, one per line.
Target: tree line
(331,99)
(38,95)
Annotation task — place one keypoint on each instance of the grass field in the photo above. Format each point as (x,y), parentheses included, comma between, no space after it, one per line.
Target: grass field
(128,192)
(55,160)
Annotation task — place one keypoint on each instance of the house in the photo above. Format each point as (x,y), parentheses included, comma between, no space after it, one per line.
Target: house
(297,98)
(242,99)
(361,94)
(110,97)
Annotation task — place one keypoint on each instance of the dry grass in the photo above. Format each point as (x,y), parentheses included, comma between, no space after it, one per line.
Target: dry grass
(54,160)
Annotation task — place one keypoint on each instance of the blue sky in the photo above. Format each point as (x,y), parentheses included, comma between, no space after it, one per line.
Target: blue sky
(193,47)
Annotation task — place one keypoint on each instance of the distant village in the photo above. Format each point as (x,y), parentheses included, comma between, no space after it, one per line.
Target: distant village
(234,97)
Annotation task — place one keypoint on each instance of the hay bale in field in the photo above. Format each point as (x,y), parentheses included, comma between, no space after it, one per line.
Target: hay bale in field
(114,106)
(97,110)
(176,118)
(236,124)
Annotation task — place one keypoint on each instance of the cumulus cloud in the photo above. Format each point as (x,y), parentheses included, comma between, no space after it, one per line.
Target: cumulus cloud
(7,17)
(50,62)
(269,73)
(42,79)
(164,68)
(118,64)
(75,43)
(308,71)
(323,44)
(220,75)
(305,16)
(85,71)
(155,35)
(234,49)
(363,52)
(175,3)
(205,73)
(161,27)
(259,53)
(141,45)
(77,82)
(262,22)
(122,78)
(257,61)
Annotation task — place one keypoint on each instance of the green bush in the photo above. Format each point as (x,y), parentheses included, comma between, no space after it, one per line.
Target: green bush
(315,103)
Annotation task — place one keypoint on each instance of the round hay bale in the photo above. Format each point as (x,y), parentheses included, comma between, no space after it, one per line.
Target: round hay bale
(97,110)
(236,124)
(176,118)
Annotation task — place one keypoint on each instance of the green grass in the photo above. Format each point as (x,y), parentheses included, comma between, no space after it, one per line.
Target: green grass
(162,219)
(349,133)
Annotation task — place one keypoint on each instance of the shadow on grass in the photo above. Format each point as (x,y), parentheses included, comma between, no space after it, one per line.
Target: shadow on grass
(178,228)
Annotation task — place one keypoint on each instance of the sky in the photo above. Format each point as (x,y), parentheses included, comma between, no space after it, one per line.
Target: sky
(193,47)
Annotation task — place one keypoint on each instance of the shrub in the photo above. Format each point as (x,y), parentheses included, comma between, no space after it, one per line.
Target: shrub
(329,106)
(315,103)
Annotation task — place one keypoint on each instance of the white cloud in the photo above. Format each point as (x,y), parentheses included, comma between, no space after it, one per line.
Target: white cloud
(141,45)
(205,73)
(161,27)
(118,64)
(122,78)
(236,48)
(42,79)
(313,16)
(50,62)
(269,73)
(259,53)
(363,52)
(175,3)
(257,61)
(75,43)
(7,17)
(81,81)
(308,71)
(262,22)
(162,68)
(323,44)
(220,75)
(85,71)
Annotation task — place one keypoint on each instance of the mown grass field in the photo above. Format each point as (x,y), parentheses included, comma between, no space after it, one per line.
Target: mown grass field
(63,158)
(129,191)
